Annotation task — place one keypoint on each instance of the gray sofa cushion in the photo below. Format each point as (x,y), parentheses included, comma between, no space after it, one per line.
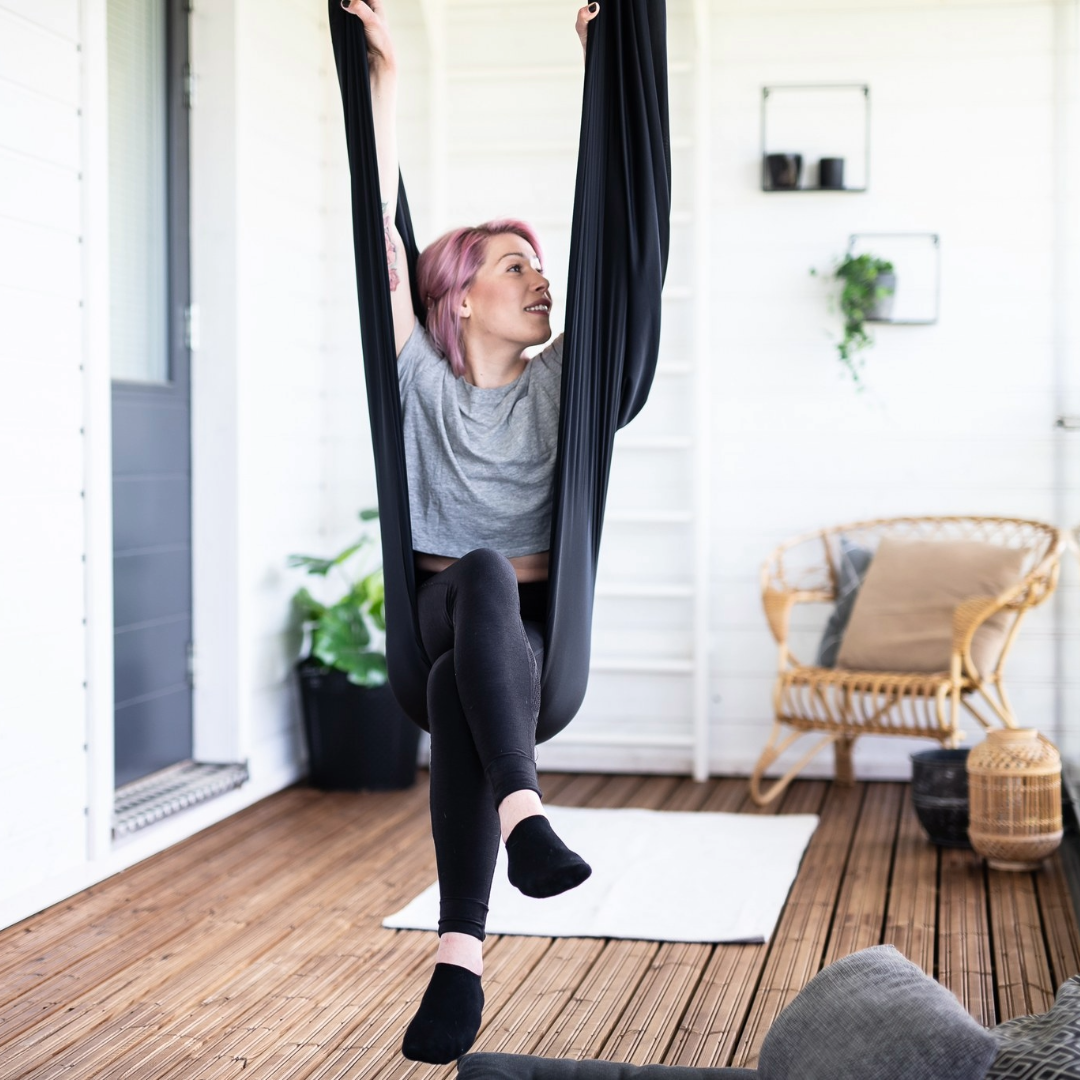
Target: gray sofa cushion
(1043,1047)
(875,1016)
(851,566)
(526,1067)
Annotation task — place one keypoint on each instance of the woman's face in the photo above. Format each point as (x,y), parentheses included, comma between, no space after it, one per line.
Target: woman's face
(509,300)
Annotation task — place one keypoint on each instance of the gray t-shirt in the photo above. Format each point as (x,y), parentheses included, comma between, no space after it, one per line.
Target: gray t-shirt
(481,462)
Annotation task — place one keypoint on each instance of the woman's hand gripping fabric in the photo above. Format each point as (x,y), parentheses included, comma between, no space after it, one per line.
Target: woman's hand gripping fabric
(381,58)
(585,16)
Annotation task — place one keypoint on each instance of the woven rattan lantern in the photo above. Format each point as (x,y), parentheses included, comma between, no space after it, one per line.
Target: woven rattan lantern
(1014,785)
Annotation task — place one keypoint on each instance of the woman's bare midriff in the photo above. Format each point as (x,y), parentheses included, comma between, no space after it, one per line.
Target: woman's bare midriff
(527,567)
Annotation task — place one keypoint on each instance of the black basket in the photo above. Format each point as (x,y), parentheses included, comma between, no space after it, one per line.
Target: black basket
(358,737)
(939,793)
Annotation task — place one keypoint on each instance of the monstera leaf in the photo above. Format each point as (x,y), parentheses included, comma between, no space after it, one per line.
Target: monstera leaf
(341,641)
(343,631)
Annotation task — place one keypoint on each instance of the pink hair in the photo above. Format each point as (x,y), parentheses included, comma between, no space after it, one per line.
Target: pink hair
(445,273)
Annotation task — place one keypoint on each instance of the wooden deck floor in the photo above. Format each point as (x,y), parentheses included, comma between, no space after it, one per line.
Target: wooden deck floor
(254,949)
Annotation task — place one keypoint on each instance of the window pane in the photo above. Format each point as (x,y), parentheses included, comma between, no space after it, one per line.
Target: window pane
(138,225)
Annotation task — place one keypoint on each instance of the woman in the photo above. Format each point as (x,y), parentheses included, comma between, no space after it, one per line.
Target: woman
(481,425)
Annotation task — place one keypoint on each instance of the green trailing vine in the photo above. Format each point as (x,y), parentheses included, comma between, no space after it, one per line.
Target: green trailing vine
(348,634)
(859,291)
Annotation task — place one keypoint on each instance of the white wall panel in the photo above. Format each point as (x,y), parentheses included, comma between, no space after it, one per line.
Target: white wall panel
(61,18)
(957,416)
(39,193)
(38,59)
(43,763)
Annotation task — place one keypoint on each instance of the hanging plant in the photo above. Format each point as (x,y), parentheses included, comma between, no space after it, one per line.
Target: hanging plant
(866,286)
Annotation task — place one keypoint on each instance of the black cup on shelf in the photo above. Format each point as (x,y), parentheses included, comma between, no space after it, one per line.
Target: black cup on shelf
(939,793)
(783,171)
(831,174)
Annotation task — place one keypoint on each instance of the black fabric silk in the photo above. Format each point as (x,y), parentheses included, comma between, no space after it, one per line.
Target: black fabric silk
(618,259)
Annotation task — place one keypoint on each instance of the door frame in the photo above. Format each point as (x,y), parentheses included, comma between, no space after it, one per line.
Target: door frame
(215,718)
(97,381)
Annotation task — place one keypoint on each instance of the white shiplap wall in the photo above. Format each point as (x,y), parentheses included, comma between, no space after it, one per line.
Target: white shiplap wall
(44,791)
(960,414)
(280,461)
(513,88)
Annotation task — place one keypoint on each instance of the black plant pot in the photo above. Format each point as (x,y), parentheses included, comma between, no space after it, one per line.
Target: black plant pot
(358,737)
(939,793)
(783,171)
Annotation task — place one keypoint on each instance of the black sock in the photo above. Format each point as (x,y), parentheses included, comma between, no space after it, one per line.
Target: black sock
(448,1019)
(539,863)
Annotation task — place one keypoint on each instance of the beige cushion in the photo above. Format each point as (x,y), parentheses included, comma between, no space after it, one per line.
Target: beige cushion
(902,620)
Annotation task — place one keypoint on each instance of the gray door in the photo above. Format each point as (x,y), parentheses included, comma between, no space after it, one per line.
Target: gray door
(151,428)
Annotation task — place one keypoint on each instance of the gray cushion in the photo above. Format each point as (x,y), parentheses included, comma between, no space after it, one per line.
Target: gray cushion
(1043,1047)
(875,1016)
(851,566)
(527,1067)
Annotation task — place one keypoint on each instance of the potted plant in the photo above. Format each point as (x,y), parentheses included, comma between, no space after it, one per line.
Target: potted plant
(358,737)
(867,286)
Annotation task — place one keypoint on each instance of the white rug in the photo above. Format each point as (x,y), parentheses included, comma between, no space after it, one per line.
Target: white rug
(657,876)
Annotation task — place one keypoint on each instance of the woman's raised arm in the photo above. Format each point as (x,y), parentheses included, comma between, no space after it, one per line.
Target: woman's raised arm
(382,64)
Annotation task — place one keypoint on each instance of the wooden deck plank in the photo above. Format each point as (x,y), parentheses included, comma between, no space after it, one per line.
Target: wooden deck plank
(374,1048)
(413,949)
(36,936)
(1059,920)
(653,1014)
(730,797)
(160,1025)
(1021,966)
(195,887)
(524,1021)
(860,907)
(411,945)
(337,1010)
(714,1018)
(804,925)
(911,911)
(201,882)
(617,792)
(580,1029)
(168,1054)
(518,957)
(211,951)
(688,797)
(280,968)
(609,791)
(337,982)
(621,965)
(964,962)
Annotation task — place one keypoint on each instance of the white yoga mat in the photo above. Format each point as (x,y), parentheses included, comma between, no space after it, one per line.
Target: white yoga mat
(657,876)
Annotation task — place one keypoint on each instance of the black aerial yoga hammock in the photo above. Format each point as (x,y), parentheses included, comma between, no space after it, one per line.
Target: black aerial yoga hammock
(618,258)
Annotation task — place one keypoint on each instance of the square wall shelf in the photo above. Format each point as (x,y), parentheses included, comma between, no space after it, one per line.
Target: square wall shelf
(816,121)
(916,259)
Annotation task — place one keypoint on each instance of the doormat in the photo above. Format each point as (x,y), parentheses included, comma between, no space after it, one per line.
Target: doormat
(657,876)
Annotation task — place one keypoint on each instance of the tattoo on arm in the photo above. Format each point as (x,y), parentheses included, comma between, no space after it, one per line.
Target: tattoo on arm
(391,252)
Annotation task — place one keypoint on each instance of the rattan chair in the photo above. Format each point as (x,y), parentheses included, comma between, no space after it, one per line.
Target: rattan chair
(841,705)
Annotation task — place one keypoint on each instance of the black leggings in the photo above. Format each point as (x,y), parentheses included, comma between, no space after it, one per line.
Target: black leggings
(484,635)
